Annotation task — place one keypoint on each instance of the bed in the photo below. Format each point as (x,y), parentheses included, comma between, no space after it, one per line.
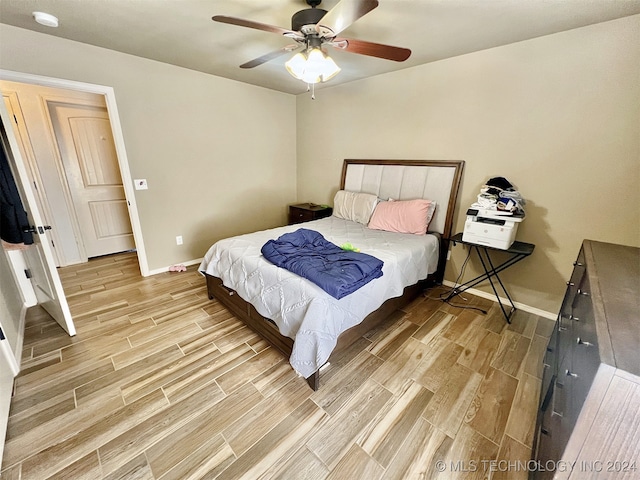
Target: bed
(300,319)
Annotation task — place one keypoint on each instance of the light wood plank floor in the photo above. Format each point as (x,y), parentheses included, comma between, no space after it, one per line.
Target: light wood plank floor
(162,383)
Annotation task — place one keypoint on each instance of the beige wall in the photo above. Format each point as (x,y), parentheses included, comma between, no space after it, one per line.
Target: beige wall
(559,116)
(219,155)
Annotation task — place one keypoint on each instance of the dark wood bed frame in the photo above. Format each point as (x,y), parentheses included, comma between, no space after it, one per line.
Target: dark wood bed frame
(268,329)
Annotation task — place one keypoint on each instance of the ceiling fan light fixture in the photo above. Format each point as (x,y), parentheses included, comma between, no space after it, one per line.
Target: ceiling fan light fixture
(312,66)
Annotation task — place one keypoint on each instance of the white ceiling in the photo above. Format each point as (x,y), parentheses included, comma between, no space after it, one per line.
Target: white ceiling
(181,32)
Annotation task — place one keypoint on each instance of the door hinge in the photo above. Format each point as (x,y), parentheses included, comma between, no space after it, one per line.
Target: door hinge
(27,273)
(15,119)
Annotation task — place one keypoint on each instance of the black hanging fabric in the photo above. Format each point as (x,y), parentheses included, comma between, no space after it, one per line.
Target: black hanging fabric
(14,224)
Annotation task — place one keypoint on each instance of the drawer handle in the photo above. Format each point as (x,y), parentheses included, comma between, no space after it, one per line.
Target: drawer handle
(571,284)
(562,329)
(581,292)
(571,374)
(577,264)
(229,291)
(544,431)
(579,341)
(571,317)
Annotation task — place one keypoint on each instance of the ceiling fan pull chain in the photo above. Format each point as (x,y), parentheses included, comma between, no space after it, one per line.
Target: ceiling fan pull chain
(311,87)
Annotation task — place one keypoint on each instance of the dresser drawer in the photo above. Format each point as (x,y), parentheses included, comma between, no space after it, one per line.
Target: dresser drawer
(554,426)
(583,321)
(565,338)
(563,389)
(585,356)
(573,283)
(550,363)
(549,434)
(297,215)
(585,363)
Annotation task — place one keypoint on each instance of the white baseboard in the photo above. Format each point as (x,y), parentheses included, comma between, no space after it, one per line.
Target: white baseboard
(166,269)
(21,328)
(519,306)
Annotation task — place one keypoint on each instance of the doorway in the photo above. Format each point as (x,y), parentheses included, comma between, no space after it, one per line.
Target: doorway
(106,214)
(66,140)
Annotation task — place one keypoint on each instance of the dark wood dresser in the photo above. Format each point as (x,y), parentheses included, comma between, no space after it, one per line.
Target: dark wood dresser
(305,212)
(590,397)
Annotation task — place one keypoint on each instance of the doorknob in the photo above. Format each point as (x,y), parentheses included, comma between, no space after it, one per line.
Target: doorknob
(40,230)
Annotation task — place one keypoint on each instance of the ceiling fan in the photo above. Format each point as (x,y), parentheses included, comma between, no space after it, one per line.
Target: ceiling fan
(311,29)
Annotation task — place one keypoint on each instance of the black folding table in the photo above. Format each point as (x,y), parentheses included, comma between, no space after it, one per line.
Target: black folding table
(517,252)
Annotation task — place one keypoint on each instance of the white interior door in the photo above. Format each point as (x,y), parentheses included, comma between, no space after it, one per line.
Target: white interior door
(24,141)
(87,150)
(38,257)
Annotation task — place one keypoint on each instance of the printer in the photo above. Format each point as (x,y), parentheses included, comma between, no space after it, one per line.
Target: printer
(491,228)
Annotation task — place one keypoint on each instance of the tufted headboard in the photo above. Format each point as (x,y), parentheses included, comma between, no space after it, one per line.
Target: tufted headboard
(436,180)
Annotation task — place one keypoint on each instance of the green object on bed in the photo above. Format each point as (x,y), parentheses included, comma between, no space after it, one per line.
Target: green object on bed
(348,247)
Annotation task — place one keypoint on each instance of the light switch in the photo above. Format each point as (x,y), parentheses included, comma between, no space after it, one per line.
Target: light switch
(140,184)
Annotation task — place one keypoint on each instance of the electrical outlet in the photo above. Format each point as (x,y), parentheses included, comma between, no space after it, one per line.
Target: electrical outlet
(179,240)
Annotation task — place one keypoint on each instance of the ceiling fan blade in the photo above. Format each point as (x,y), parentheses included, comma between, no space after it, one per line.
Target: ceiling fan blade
(269,56)
(362,47)
(241,22)
(344,14)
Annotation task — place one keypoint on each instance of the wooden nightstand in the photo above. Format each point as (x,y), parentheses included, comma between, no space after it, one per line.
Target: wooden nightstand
(305,212)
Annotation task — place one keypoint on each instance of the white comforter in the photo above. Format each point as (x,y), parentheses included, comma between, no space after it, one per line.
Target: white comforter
(301,309)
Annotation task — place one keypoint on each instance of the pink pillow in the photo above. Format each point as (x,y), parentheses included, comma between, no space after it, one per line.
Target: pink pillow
(405,216)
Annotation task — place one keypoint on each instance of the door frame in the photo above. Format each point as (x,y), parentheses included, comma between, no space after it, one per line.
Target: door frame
(118,139)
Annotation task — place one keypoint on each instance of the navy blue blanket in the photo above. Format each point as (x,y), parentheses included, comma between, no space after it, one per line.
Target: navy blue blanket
(308,254)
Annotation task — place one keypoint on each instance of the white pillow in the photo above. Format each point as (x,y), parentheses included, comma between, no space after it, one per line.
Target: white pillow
(354,206)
